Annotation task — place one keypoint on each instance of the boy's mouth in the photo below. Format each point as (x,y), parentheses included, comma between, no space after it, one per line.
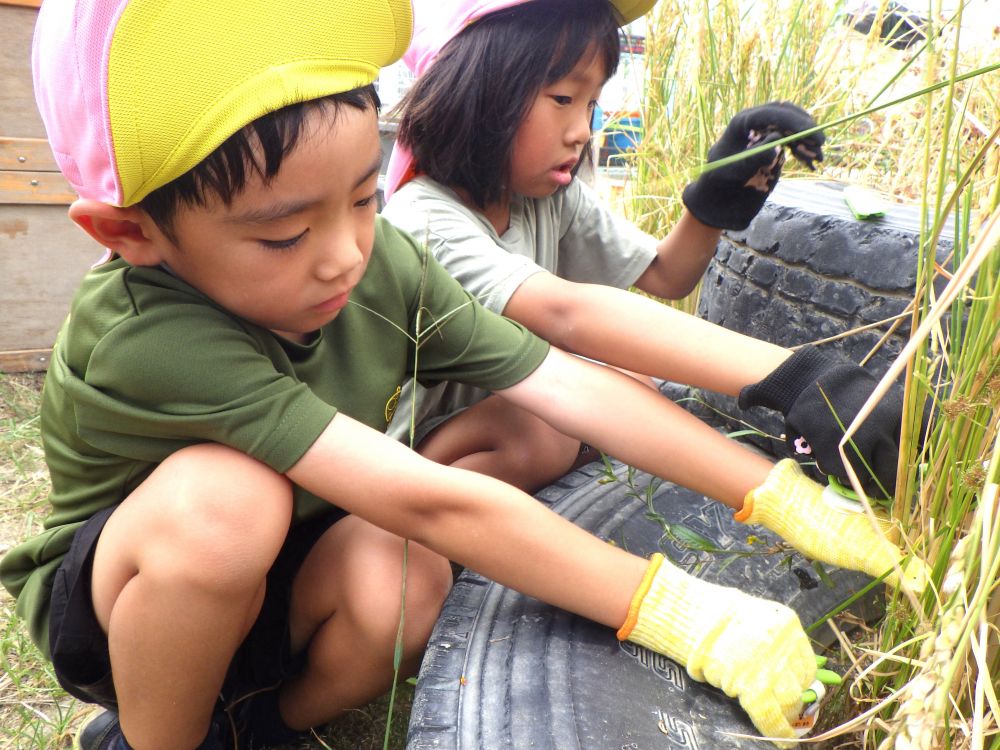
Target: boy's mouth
(334,303)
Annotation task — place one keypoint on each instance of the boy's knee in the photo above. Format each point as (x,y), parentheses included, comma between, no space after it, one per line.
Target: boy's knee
(222,509)
(228,472)
(216,477)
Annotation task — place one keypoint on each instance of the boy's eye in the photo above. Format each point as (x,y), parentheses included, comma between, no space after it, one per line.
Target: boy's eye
(367,201)
(283,244)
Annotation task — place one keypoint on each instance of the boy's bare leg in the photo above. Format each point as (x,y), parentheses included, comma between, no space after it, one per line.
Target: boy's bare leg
(345,612)
(501,440)
(178,579)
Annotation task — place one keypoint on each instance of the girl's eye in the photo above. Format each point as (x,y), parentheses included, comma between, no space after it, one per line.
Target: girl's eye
(283,244)
(562,100)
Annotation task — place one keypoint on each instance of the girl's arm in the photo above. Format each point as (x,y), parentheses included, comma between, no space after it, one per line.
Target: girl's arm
(729,197)
(473,519)
(681,259)
(635,333)
(617,414)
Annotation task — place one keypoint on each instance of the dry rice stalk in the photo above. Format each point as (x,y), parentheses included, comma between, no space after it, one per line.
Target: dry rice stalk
(920,719)
(953,690)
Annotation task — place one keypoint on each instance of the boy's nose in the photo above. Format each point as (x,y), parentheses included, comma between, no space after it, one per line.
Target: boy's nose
(340,256)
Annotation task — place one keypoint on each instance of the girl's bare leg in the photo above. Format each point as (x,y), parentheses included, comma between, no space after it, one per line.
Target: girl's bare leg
(501,440)
(345,612)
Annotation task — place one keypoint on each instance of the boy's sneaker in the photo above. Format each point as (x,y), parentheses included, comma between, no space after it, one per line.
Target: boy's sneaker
(100,732)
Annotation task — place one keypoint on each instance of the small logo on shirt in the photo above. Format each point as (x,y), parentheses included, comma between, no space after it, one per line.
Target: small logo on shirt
(392,403)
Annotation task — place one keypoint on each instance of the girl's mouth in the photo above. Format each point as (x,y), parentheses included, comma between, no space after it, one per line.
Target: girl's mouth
(563,174)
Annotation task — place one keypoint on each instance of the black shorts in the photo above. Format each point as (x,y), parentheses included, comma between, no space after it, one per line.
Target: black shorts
(79,646)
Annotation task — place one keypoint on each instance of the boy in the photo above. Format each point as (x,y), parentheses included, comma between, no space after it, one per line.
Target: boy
(226,545)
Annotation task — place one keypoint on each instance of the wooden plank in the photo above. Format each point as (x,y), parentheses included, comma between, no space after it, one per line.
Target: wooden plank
(26,154)
(48,188)
(18,112)
(43,257)
(28,360)
(23,3)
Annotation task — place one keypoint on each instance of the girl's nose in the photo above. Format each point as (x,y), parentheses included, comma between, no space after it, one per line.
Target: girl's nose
(579,130)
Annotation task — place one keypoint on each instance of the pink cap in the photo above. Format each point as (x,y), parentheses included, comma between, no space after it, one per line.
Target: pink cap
(437,22)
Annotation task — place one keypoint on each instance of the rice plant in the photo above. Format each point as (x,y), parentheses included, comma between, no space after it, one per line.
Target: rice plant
(922,126)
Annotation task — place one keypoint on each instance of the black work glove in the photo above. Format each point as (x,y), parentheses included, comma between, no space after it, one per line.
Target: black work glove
(797,387)
(730,196)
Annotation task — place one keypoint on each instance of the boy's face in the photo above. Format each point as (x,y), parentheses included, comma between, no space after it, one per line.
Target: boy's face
(552,136)
(286,255)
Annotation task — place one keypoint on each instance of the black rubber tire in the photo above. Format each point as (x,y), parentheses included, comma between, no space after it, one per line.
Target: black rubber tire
(503,670)
(807,270)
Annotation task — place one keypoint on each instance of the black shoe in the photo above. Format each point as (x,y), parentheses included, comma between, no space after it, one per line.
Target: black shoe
(103,732)
(258,724)
(100,732)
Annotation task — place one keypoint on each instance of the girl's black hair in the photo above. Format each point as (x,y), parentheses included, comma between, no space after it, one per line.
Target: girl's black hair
(257,148)
(460,117)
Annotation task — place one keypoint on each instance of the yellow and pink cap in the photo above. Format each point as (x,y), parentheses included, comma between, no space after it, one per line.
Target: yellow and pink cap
(134,93)
(437,22)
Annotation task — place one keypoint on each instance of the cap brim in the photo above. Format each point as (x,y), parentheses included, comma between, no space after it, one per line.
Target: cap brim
(630,10)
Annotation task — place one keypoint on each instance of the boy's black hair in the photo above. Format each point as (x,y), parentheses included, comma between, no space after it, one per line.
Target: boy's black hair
(257,148)
(460,117)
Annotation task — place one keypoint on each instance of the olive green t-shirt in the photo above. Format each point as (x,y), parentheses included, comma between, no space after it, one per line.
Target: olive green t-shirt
(146,365)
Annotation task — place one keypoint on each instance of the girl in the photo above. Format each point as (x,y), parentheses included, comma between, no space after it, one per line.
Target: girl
(483,173)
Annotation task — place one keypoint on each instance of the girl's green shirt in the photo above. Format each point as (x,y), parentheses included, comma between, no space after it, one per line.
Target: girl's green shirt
(146,365)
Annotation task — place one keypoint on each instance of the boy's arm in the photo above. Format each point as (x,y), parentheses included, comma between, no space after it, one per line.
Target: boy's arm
(758,651)
(614,412)
(478,521)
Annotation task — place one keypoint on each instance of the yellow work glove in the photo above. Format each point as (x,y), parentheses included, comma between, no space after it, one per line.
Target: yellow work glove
(753,649)
(828,527)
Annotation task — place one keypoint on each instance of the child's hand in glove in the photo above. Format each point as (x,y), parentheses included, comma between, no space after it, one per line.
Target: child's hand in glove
(820,396)
(730,196)
(821,525)
(753,649)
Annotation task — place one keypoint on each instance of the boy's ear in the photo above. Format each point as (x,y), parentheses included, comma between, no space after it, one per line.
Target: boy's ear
(127,231)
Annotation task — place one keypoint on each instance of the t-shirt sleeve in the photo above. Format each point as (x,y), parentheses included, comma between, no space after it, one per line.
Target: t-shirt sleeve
(460,340)
(462,243)
(206,380)
(597,246)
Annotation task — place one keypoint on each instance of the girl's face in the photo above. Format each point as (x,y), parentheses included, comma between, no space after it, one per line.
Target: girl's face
(556,129)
